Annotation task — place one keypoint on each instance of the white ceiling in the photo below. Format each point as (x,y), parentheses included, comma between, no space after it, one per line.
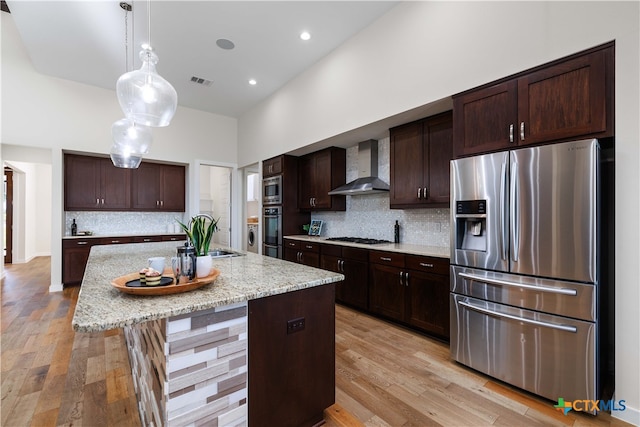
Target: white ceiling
(84,41)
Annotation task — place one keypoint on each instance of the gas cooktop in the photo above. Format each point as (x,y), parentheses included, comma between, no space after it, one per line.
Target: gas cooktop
(362,240)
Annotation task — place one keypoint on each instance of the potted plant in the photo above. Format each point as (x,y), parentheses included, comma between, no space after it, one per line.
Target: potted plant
(200,232)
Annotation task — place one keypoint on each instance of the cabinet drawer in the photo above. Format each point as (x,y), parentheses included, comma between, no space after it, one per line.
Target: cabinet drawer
(310,247)
(332,250)
(78,243)
(387,258)
(428,264)
(115,240)
(356,254)
(292,244)
(147,239)
(174,238)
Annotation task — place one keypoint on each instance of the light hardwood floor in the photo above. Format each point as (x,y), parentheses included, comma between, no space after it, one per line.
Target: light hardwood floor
(385,375)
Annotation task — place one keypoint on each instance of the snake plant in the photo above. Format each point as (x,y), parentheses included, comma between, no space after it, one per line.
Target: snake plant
(199,232)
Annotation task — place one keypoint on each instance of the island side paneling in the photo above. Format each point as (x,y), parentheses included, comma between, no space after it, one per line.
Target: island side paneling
(205,355)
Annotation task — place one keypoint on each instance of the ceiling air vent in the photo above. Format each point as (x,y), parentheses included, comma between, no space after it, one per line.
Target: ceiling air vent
(201,81)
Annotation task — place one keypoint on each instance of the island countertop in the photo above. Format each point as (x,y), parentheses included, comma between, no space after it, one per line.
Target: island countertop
(101,307)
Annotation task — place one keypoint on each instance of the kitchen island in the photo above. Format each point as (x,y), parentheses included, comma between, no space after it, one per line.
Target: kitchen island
(255,346)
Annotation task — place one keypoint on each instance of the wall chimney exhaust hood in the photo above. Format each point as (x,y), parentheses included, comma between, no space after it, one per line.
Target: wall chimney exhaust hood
(368,181)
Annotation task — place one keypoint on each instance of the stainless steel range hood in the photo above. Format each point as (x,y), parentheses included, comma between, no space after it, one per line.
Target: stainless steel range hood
(368,181)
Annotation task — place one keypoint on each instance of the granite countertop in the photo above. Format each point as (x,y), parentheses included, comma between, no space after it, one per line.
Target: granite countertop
(98,236)
(101,307)
(432,251)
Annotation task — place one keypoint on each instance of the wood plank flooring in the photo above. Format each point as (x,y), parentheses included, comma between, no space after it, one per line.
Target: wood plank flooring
(385,375)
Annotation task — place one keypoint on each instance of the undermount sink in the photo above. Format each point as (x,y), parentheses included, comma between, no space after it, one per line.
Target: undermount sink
(223,253)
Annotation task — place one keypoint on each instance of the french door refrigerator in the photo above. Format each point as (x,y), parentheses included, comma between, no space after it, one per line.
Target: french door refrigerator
(525,267)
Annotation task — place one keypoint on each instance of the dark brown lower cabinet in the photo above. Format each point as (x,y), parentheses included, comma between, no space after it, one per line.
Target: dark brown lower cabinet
(75,252)
(412,290)
(292,357)
(387,296)
(428,300)
(302,252)
(353,263)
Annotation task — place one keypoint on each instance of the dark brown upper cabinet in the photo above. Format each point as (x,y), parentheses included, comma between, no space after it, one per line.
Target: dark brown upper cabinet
(420,154)
(93,183)
(158,187)
(319,173)
(565,99)
(272,166)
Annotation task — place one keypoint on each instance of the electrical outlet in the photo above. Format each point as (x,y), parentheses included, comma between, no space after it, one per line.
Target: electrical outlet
(295,325)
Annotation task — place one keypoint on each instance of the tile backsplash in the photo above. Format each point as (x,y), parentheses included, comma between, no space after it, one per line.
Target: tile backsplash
(370,215)
(119,223)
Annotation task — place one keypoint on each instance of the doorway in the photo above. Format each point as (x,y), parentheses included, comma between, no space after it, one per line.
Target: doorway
(7,214)
(215,200)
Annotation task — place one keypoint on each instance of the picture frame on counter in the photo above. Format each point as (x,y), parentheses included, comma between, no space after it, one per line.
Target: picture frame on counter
(315,228)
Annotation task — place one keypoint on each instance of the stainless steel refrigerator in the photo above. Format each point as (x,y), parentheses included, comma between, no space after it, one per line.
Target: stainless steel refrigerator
(525,267)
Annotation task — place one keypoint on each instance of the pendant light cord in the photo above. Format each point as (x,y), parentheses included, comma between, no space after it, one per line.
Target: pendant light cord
(126,41)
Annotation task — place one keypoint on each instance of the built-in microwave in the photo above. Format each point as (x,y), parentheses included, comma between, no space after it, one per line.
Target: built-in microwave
(272,190)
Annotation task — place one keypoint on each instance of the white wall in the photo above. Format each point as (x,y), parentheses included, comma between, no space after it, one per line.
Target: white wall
(422,52)
(47,112)
(32,185)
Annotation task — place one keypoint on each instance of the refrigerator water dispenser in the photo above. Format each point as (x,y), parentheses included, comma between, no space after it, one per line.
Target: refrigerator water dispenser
(471,225)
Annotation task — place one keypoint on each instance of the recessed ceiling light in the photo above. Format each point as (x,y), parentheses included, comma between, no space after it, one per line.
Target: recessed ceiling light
(253,82)
(305,35)
(225,44)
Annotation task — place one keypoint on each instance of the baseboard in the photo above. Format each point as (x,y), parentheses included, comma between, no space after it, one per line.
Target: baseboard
(629,415)
(56,287)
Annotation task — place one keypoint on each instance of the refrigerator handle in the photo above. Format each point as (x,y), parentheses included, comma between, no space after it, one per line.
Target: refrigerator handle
(481,279)
(565,328)
(514,212)
(503,213)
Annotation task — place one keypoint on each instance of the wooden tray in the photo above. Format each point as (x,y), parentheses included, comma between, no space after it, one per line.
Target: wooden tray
(120,283)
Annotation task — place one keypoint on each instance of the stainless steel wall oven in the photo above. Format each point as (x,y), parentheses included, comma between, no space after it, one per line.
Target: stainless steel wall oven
(272,234)
(272,190)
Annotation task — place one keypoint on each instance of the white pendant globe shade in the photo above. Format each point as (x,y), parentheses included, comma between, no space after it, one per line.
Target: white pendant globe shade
(144,96)
(136,137)
(123,157)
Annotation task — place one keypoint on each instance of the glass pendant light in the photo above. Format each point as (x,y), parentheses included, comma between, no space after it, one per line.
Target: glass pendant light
(125,157)
(131,135)
(145,97)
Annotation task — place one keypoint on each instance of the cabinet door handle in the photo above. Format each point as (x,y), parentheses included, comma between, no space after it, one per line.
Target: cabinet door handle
(383,258)
(424,193)
(301,256)
(511,132)
(161,202)
(97,201)
(401,278)
(406,278)
(522,131)
(115,241)
(82,243)
(103,201)
(419,192)
(424,264)
(146,240)
(308,246)
(342,265)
